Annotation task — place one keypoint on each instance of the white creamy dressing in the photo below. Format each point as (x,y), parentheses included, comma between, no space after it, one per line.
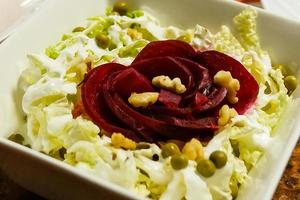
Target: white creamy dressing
(53,67)
(46,86)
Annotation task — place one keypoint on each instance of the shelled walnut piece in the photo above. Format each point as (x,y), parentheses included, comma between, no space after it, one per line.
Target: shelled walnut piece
(224,79)
(144,99)
(166,82)
(225,115)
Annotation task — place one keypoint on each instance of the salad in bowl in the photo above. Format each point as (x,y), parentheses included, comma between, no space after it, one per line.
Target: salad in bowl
(165,112)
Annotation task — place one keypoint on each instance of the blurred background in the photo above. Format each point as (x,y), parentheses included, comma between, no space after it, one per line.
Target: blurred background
(14,12)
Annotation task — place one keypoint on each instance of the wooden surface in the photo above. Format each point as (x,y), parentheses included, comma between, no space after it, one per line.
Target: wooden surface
(288,188)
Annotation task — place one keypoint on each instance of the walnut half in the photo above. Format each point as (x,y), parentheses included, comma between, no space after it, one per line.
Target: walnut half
(225,115)
(224,79)
(166,82)
(144,99)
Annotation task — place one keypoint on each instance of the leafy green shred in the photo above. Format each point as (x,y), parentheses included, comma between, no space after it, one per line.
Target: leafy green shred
(133,49)
(135,14)
(225,42)
(100,24)
(108,11)
(154,189)
(54,51)
(246,25)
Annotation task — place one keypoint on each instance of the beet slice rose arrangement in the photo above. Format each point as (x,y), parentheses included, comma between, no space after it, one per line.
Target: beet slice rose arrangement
(192,113)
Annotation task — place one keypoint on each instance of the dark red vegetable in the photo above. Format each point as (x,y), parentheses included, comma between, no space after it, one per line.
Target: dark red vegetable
(167,48)
(129,80)
(95,104)
(200,99)
(165,66)
(106,89)
(169,99)
(216,61)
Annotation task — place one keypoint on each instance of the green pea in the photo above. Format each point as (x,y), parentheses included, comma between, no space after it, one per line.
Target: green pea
(169,149)
(235,147)
(282,68)
(234,188)
(16,138)
(206,168)
(142,145)
(219,158)
(121,7)
(135,25)
(102,40)
(78,29)
(112,46)
(290,83)
(179,161)
(62,151)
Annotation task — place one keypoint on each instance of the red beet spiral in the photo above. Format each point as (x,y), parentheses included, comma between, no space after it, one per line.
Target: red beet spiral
(107,87)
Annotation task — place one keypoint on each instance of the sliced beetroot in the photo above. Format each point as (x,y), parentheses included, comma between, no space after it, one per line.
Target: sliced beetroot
(94,103)
(201,79)
(200,99)
(121,114)
(169,99)
(201,104)
(165,66)
(170,48)
(174,112)
(92,86)
(209,123)
(216,61)
(145,125)
(215,98)
(129,81)
(106,89)
(200,73)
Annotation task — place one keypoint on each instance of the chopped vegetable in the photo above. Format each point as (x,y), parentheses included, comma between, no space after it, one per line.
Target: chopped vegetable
(219,158)
(179,161)
(206,168)
(169,149)
(290,83)
(121,7)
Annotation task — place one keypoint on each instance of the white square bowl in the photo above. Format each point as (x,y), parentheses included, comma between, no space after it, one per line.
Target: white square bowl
(287,8)
(56,180)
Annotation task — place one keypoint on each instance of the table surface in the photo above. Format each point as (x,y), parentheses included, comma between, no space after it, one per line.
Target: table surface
(288,188)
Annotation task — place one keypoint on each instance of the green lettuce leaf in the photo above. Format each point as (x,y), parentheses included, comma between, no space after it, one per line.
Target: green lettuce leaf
(245,23)
(133,49)
(219,183)
(45,123)
(225,42)
(79,129)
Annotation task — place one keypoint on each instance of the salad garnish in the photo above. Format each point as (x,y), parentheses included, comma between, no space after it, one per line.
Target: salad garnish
(164,109)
